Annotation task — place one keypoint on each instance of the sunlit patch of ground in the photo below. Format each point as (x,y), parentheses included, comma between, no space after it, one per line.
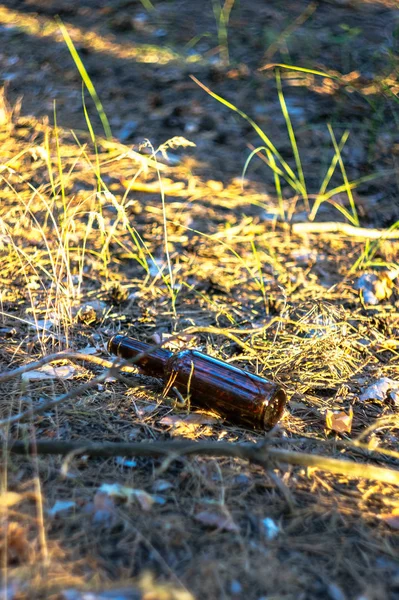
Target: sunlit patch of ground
(48,28)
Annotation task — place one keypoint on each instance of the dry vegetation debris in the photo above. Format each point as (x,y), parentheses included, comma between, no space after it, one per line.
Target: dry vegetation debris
(74,271)
(97,237)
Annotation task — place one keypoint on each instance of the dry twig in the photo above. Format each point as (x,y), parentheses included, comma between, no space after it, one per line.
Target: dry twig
(346,229)
(258,453)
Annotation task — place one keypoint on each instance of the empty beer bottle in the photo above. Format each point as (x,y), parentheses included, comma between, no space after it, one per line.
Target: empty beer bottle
(237,395)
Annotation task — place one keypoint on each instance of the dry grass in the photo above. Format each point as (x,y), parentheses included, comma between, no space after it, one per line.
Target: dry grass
(88,249)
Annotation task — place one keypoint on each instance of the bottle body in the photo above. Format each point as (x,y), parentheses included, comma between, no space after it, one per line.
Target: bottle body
(237,395)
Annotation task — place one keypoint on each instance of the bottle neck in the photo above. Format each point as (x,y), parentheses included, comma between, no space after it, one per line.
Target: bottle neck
(151,363)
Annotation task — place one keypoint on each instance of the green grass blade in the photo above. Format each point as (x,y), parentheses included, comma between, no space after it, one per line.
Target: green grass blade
(86,79)
(330,172)
(93,139)
(292,137)
(270,163)
(334,162)
(348,189)
(277,184)
(352,184)
(59,162)
(148,5)
(370,250)
(344,211)
(300,69)
(258,130)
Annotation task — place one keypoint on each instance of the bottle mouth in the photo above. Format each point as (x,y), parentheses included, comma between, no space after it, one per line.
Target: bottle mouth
(113,344)
(275,409)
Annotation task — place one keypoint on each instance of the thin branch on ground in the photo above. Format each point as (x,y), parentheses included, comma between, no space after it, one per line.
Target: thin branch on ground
(72,356)
(258,453)
(346,229)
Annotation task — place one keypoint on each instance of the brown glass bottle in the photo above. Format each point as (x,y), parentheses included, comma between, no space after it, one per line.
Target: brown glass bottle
(235,394)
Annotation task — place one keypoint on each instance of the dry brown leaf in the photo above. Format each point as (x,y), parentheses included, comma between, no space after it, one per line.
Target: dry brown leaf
(218,520)
(339,421)
(145,500)
(176,343)
(374,287)
(50,372)
(128,494)
(379,389)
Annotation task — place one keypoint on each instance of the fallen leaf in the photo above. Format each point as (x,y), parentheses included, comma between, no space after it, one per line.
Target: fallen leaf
(380,389)
(127,494)
(178,343)
(91,313)
(374,287)
(50,372)
(339,420)
(218,520)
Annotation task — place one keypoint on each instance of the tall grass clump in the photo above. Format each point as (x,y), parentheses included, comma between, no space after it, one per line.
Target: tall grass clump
(293,177)
(57,239)
(62,241)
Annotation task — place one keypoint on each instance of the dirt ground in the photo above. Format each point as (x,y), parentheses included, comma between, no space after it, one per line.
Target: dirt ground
(136,220)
